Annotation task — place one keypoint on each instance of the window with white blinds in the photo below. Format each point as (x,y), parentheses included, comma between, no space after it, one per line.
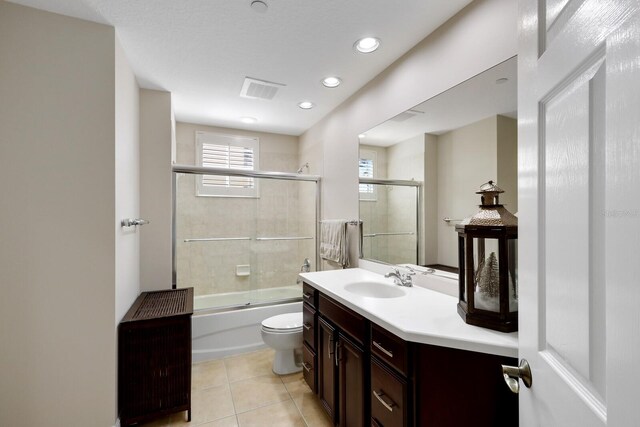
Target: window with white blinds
(227,152)
(366,165)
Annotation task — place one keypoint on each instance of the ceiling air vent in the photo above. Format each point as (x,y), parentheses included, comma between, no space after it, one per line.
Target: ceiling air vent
(406,115)
(259,89)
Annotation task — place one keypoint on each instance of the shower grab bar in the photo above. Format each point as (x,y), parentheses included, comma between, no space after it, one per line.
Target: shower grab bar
(404,233)
(225,239)
(216,239)
(283,238)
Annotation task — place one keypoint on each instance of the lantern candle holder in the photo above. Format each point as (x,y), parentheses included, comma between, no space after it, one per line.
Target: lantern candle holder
(488,261)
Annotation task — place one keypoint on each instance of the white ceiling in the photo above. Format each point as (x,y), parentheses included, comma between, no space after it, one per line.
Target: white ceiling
(201,50)
(470,101)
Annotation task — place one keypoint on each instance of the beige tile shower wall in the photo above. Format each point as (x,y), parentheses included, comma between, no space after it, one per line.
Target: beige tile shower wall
(373,213)
(211,266)
(405,161)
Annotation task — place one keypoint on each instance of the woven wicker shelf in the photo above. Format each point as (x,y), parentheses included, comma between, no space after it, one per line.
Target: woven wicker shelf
(154,356)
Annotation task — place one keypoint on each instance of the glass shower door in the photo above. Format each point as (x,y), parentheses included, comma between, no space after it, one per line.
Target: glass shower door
(241,251)
(285,237)
(213,245)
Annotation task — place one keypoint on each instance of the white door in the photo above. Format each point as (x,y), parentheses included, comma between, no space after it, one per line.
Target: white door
(579,211)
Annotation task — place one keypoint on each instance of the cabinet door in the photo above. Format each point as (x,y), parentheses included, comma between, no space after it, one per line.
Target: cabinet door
(309,368)
(351,383)
(309,326)
(389,400)
(327,368)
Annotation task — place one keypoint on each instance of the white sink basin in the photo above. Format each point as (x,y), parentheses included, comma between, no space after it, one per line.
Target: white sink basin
(375,290)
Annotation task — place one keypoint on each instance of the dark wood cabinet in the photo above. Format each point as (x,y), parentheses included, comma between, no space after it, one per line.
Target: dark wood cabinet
(154,356)
(309,364)
(367,375)
(327,367)
(475,379)
(351,383)
(310,339)
(389,396)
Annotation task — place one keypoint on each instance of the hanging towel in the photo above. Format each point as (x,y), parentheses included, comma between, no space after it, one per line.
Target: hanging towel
(333,241)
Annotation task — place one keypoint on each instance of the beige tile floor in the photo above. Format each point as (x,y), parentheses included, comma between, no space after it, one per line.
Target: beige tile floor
(242,391)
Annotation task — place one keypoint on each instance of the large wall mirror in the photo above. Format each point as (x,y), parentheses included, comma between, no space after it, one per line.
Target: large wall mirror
(419,170)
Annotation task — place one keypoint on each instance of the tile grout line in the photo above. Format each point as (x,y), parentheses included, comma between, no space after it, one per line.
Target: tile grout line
(304,419)
(233,402)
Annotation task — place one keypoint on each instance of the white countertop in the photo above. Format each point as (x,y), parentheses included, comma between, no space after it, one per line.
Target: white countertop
(421,316)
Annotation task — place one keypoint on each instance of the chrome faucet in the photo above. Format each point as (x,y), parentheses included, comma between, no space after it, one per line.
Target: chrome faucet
(306,267)
(401,279)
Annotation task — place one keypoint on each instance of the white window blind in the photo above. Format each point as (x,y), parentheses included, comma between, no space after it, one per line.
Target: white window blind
(228,152)
(366,169)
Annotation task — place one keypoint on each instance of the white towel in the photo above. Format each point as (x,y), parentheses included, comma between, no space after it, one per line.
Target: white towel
(333,241)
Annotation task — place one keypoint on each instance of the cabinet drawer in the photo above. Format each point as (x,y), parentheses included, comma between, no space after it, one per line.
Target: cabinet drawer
(309,326)
(388,397)
(309,367)
(390,349)
(347,320)
(309,295)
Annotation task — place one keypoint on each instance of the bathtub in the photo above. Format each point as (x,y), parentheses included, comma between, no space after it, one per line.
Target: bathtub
(246,298)
(223,328)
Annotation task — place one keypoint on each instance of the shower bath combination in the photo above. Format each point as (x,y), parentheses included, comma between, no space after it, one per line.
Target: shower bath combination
(265,236)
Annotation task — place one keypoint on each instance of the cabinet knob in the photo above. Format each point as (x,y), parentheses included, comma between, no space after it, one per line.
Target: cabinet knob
(513,373)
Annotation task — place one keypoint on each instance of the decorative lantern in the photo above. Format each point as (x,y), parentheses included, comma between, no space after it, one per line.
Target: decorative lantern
(488,257)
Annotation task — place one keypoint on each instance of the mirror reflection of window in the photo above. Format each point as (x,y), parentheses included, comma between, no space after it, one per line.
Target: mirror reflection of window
(452,143)
(366,169)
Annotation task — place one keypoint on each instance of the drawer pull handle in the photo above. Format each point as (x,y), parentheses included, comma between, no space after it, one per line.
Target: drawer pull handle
(382,349)
(307,295)
(379,395)
(306,325)
(306,367)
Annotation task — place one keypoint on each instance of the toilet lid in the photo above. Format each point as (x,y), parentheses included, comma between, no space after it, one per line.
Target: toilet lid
(286,321)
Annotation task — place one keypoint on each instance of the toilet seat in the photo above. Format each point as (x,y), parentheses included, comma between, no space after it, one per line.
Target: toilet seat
(283,323)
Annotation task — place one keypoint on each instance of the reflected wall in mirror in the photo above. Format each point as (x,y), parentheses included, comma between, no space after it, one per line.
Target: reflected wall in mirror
(452,143)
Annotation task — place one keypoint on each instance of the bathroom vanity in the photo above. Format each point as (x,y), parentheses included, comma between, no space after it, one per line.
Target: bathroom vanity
(383,355)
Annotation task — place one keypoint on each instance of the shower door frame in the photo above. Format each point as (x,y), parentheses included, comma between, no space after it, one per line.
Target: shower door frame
(400,183)
(202,170)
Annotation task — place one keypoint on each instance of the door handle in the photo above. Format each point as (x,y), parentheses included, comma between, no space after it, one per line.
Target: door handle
(379,395)
(382,349)
(513,373)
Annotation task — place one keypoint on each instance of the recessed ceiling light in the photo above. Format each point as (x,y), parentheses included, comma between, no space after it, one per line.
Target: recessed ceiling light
(362,135)
(306,105)
(367,44)
(502,80)
(259,6)
(248,119)
(331,81)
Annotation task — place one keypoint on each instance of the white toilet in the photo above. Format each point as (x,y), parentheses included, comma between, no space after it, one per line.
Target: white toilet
(283,333)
